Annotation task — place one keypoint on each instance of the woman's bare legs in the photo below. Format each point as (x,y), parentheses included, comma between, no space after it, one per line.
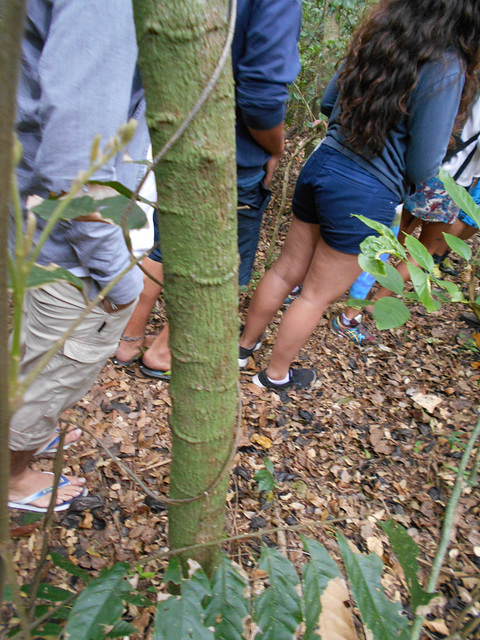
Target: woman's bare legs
(288,272)
(329,275)
(326,274)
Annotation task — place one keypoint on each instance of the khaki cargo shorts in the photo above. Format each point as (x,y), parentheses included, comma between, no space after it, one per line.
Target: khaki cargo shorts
(48,312)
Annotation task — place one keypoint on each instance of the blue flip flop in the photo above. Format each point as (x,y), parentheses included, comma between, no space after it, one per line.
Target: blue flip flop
(155,373)
(52,446)
(25,503)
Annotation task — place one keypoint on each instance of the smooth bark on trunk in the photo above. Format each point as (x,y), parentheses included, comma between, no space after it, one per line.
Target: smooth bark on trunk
(180,42)
(12,14)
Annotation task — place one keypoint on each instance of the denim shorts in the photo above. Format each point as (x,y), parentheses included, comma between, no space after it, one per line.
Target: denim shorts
(331,187)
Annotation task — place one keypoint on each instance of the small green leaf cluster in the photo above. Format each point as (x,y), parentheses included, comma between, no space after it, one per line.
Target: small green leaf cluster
(429,287)
(266,477)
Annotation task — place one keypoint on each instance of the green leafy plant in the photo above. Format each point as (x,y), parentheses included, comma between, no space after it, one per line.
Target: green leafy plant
(429,288)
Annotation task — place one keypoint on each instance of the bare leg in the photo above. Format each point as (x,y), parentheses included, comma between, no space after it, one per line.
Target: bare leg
(138,322)
(462,230)
(158,355)
(330,274)
(288,272)
(24,481)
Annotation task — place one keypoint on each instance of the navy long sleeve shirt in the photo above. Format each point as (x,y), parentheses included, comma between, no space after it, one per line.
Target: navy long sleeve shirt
(414,149)
(265,60)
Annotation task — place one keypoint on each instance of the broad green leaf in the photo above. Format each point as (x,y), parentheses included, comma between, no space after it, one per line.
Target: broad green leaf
(111,209)
(197,588)
(227,608)
(39,276)
(317,575)
(69,567)
(392,281)
(138,599)
(278,610)
(78,207)
(265,477)
(179,619)
(371,265)
(383,230)
(121,629)
(455,294)
(173,573)
(59,614)
(356,303)
(390,313)
(48,630)
(382,618)
(7,593)
(114,209)
(97,606)
(387,242)
(460,196)
(422,285)
(419,253)
(49,592)
(406,550)
(123,190)
(459,246)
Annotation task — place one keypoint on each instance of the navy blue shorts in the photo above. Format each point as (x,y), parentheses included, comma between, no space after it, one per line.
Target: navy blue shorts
(331,187)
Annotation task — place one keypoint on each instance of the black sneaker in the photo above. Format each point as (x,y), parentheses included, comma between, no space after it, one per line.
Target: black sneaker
(244,354)
(298,379)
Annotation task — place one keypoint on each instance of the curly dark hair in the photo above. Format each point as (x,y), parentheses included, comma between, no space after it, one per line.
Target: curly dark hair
(387,51)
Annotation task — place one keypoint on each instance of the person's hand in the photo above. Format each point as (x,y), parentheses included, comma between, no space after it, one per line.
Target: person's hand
(270,169)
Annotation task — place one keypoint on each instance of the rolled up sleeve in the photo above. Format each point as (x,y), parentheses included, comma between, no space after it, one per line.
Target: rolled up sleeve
(270,61)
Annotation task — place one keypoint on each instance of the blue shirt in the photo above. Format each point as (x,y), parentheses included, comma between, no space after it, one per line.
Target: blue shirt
(415,147)
(79,79)
(265,60)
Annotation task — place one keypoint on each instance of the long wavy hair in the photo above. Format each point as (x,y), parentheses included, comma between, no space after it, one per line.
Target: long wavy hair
(386,53)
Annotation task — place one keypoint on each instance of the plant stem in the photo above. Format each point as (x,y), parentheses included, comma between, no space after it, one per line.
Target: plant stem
(16,595)
(47,521)
(12,16)
(447,527)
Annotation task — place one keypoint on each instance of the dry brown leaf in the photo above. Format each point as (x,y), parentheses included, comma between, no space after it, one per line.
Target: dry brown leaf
(427,401)
(438,626)
(375,545)
(335,622)
(378,442)
(263,441)
(87,521)
(258,391)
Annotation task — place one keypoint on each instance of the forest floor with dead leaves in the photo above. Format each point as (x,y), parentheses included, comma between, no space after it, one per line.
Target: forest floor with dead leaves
(378,436)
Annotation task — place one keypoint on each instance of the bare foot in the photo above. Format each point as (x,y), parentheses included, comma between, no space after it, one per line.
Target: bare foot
(129,348)
(30,481)
(161,360)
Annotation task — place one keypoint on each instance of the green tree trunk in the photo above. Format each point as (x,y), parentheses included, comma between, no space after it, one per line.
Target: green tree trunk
(12,14)
(180,42)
